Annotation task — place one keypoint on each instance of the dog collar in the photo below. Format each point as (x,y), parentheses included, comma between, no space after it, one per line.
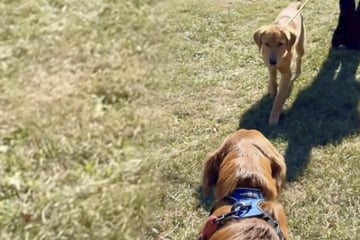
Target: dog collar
(246,204)
(245,194)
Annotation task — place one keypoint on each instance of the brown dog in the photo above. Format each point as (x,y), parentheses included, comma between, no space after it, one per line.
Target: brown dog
(278,43)
(246,165)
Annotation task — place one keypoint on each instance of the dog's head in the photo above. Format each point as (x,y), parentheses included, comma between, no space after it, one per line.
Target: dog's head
(274,42)
(245,159)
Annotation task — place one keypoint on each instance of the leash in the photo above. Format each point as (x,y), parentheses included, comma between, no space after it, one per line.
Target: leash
(298,11)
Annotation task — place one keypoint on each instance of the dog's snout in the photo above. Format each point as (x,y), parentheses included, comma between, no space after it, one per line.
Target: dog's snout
(272,61)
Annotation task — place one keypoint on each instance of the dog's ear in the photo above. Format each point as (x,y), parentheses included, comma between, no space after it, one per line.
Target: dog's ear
(211,168)
(291,38)
(211,172)
(257,35)
(278,170)
(278,166)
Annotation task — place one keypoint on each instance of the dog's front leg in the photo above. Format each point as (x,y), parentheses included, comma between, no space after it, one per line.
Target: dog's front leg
(272,88)
(280,98)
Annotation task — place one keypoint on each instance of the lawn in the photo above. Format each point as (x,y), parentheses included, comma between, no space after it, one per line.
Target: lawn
(110,107)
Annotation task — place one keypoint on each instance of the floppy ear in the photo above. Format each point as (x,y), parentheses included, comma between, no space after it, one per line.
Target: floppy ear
(278,166)
(211,168)
(210,173)
(278,170)
(257,35)
(291,38)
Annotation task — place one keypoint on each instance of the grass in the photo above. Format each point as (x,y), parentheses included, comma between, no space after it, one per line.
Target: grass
(109,108)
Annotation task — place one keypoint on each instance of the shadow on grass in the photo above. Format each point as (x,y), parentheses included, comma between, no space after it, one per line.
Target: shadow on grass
(325,112)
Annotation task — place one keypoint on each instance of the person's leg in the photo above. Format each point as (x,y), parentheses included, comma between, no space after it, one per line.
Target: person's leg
(356,28)
(353,32)
(343,31)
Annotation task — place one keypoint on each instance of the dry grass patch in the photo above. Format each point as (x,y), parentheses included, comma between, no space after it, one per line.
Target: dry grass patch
(75,77)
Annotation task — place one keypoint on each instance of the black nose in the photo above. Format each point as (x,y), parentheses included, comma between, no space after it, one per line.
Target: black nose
(272,61)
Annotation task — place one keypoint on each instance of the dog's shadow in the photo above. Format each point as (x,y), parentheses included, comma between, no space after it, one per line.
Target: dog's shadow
(325,112)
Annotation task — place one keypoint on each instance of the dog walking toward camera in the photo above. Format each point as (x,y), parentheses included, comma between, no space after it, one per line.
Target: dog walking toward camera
(247,173)
(279,44)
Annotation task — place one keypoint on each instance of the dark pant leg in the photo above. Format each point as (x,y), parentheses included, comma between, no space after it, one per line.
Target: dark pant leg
(353,32)
(356,27)
(342,33)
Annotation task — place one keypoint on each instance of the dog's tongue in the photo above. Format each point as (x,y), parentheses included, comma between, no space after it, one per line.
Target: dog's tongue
(209,228)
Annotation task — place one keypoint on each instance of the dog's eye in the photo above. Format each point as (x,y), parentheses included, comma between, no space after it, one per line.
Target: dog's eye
(280,44)
(267,44)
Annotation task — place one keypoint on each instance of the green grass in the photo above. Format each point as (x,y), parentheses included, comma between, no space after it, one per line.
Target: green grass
(109,108)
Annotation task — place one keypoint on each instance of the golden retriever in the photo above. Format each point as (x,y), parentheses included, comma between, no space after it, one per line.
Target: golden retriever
(246,168)
(278,43)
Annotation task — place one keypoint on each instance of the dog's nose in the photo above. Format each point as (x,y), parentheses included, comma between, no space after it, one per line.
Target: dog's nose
(272,61)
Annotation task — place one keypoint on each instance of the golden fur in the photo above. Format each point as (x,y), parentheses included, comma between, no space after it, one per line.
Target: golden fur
(246,159)
(279,43)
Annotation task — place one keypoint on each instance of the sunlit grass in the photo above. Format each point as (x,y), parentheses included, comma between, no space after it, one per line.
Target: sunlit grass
(109,108)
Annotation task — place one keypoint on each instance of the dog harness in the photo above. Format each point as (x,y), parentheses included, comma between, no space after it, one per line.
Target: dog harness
(246,204)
